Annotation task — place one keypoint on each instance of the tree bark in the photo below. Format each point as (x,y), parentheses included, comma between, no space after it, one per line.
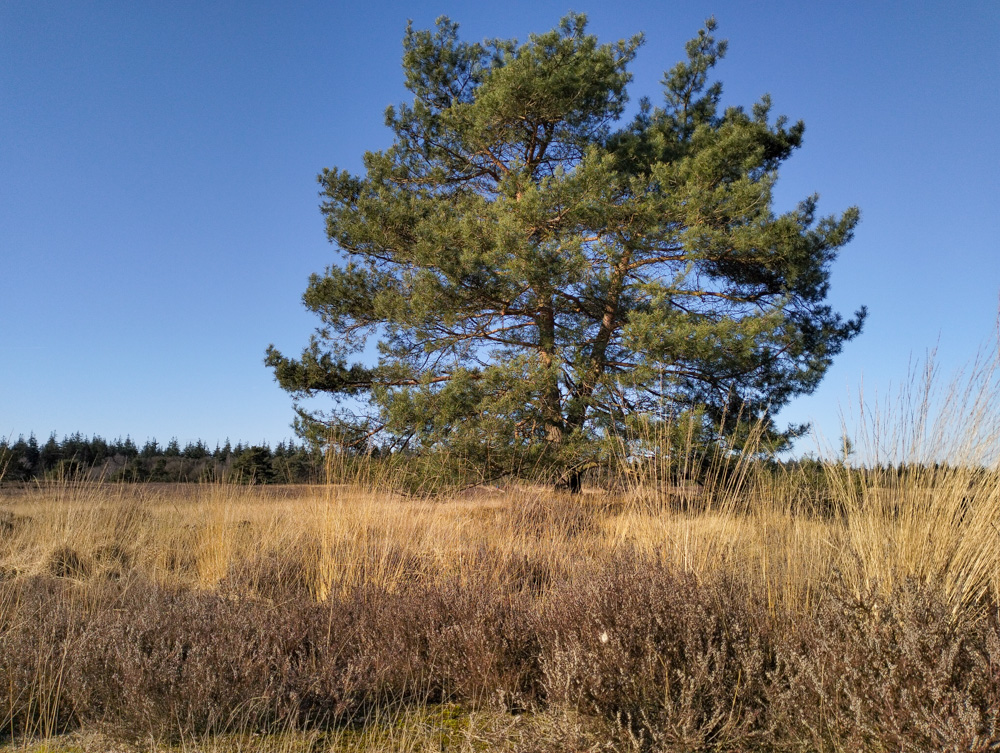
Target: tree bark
(597,362)
(551,399)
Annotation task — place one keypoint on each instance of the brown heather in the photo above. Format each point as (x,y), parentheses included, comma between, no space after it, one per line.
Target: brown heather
(809,608)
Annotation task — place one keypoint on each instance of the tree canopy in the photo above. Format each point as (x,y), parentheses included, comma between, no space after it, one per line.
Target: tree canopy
(536,272)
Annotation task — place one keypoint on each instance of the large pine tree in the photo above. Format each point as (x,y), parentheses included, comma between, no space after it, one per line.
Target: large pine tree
(537,275)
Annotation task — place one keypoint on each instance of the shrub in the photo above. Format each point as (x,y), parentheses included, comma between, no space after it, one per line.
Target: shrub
(680,663)
(903,672)
(163,663)
(633,656)
(37,630)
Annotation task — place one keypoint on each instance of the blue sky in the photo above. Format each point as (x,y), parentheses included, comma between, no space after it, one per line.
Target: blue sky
(159,211)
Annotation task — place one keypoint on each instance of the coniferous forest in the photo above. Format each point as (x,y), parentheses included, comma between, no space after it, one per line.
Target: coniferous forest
(76,456)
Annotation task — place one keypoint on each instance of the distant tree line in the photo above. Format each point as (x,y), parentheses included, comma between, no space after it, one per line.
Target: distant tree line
(95,458)
(77,457)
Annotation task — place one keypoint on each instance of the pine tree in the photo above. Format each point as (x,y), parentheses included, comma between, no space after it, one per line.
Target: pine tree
(195,450)
(539,275)
(223,453)
(253,465)
(50,454)
(125,448)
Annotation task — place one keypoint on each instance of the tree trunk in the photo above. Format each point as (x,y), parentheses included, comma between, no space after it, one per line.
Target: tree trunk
(597,361)
(571,479)
(551,399)
(574,482)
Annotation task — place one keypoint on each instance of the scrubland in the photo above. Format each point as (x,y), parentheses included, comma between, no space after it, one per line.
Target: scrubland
(344,618)
(850,608)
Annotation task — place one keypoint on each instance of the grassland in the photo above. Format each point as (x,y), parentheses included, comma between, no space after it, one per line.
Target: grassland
(762,612)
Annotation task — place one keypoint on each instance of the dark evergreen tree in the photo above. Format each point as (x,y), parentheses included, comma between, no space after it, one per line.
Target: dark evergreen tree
(20,461)
(32,454)
(130,449)
(538,276)
(133,471)
(12,460)
(75,447)
(196,450)
(50,454)
(99,450)
(159,472)
(125,448)
(253,466)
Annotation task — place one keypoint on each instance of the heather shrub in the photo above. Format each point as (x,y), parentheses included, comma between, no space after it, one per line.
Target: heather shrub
(557,623)
(162,663)
(37,627)
(143,661)
(467,642)
(680,662)
(625,654)
(904,672)
(528,573)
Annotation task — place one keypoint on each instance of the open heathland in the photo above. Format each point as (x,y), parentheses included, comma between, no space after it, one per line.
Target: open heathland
(775,610)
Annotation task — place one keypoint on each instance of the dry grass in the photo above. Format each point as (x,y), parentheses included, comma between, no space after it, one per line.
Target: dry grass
(938,526)
(847,608)
(77,558)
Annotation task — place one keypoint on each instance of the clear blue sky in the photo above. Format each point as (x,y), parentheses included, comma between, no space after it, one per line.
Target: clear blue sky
(158,205)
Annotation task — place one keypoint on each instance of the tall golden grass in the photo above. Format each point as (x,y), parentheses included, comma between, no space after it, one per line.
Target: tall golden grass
(920,500)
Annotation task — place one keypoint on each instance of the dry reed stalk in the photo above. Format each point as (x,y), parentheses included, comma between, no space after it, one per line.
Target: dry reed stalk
(923,501)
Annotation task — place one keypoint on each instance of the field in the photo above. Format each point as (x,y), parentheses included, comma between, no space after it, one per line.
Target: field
(765,611)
